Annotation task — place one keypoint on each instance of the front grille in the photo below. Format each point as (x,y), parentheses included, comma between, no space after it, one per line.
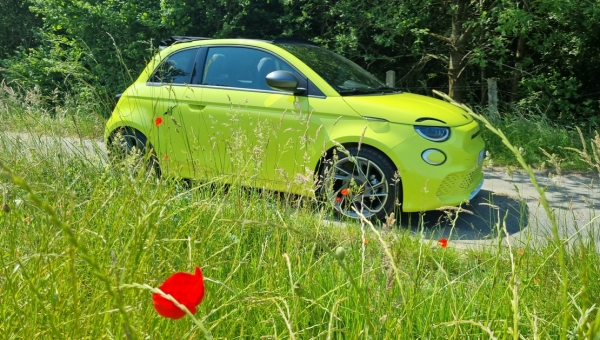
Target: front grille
(457,182)
(447,185)
(467,180)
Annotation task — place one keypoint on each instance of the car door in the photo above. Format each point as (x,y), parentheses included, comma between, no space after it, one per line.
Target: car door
(176,107)
(255,132)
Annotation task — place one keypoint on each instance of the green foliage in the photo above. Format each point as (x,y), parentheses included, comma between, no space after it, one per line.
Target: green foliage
(70,115)
(561,59)
(532,134)
(17,27)
(104,44)
(56,64)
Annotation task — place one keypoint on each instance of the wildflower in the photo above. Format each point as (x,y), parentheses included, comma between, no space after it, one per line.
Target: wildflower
(158,121)
(443,242)
(187,289)
(366,240)
(340,253)
(345,192)
(28,219)
(166,156)
(338,199)
(521,251)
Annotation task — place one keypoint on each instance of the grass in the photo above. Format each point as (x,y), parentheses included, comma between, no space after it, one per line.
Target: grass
(139,231)
(79,239)
(62,114)
(542,144)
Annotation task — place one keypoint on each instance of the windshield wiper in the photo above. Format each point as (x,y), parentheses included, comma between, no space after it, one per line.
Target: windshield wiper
(387,88)
(357,91)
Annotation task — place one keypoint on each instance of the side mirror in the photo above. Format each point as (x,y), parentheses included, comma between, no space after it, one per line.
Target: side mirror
(284,81)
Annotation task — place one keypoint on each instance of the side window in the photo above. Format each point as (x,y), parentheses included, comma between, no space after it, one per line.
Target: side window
(178,68)
(241,67)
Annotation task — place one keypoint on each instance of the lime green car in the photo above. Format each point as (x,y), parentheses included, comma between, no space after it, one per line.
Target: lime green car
(290,116)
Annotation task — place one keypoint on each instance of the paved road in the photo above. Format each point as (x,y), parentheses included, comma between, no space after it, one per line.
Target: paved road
(510,198)
(514,200)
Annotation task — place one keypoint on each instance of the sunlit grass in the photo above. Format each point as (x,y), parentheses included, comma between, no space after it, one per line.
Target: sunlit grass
(62,115)
(72,256)
(541,143)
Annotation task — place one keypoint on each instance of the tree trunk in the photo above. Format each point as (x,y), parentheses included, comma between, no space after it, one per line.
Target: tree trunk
(457,81)
(483,87)
(520,54)
(457,43)
(459,37)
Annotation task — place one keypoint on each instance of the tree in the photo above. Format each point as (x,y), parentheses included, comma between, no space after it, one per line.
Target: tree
(17,27)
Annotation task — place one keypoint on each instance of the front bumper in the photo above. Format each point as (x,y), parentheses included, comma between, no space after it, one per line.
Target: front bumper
(428,187)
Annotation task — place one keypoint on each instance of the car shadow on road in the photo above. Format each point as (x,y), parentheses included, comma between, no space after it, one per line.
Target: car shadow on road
(477,220)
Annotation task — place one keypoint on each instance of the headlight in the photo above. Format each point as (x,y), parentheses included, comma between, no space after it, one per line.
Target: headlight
(433,133)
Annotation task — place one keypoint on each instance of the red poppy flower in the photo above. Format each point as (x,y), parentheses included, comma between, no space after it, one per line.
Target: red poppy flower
(338,199)
(187,289)
(166,156)
(345,192)
(158,121)
(443,242)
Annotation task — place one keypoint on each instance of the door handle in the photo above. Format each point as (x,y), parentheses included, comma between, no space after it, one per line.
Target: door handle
(197,107)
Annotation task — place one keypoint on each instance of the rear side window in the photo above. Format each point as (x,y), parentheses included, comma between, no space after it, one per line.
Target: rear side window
(178,68)
(241,67)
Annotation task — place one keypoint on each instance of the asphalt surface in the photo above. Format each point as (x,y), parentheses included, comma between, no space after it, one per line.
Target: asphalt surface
(508,204)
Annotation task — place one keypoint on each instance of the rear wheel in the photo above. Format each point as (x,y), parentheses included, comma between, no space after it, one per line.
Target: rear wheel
(362,181)
(129,149)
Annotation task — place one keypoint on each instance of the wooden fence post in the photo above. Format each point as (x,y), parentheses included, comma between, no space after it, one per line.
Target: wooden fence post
(390,78)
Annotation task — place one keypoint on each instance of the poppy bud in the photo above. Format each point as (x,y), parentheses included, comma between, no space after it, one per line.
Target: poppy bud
(340,253)
(6,208)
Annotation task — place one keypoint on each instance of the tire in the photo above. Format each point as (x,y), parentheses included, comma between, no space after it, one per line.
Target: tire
(372,188)
(129,149)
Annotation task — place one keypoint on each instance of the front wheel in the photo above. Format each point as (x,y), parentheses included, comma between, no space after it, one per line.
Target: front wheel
(362,181)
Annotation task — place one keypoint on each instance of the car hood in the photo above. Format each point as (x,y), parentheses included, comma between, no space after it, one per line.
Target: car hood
(408,108)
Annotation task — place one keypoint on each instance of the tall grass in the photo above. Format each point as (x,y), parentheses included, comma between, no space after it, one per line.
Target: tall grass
(61,114)
(80,238)
(541,142)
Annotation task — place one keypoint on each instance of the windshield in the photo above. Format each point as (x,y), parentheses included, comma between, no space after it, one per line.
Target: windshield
(342,74)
